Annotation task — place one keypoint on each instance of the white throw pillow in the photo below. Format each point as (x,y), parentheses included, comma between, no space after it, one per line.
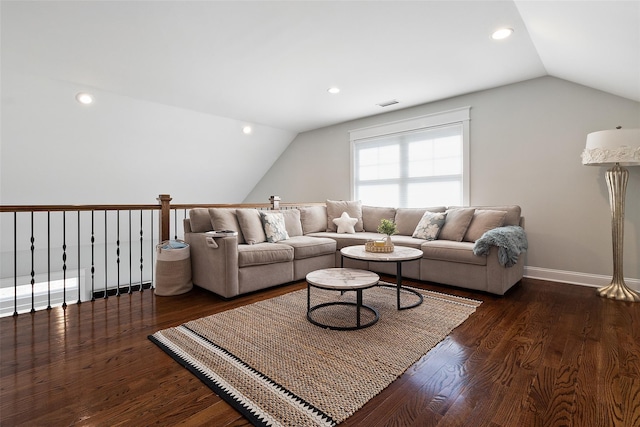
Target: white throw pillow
(274,227)
(345,223)
(430,225)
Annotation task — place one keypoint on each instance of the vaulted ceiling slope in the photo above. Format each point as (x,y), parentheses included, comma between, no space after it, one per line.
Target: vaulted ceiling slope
(271,62)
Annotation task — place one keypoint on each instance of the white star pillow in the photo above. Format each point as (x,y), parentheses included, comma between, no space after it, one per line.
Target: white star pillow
(345,223)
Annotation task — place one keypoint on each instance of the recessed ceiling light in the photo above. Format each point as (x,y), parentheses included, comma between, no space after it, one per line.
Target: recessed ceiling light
(84,98)
(247,130)
(502,33)
(333,90)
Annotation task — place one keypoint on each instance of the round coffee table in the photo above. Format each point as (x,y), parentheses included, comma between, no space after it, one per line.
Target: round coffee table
(399,255)
(342,279)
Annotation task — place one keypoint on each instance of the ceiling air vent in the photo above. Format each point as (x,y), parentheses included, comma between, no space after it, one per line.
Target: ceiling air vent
(388,103)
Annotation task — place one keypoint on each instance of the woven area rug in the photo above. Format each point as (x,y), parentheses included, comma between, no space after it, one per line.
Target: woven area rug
(275,367)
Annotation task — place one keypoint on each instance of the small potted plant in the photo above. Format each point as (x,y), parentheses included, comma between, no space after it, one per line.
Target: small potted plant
(387,227)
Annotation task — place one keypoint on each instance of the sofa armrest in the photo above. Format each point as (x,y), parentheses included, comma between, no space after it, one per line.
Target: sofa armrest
(499,277)
(214,263)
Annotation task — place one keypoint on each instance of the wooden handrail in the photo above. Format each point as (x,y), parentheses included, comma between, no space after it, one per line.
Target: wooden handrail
(164,207)
(59,208)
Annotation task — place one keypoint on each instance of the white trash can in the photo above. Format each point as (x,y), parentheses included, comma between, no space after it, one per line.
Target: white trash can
(173,268)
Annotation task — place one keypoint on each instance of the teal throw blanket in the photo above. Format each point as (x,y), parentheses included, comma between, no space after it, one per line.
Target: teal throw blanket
(511,241)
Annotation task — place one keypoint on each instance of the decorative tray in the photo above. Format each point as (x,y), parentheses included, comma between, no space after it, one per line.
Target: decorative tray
(371,247)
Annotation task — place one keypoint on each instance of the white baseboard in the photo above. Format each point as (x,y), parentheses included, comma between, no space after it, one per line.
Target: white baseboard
(575,278)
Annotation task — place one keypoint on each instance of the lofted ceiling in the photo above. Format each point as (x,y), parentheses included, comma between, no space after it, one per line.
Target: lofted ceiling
(271,62)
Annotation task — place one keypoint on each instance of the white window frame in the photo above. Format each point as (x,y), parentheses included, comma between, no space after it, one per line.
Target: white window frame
(456,116)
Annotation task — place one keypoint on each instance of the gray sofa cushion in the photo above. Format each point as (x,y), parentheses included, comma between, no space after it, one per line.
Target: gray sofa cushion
(448,250)
(313,219)
(407,219)
(251,225)
(456,224)
(371,217)
(343,239)
(292,222)
(408,241)
(200,220)
(308,247)
(483,221)
(264,253)
(226,219)
(513,212)
(335,208)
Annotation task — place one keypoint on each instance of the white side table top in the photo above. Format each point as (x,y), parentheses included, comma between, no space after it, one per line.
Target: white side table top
(400,253)
(342,278)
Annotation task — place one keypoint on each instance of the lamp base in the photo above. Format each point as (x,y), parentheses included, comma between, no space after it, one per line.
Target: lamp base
(618,290)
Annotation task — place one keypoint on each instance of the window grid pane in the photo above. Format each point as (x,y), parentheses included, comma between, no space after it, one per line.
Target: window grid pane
(411,169)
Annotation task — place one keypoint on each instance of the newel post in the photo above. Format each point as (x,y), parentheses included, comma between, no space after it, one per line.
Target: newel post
(165,216)
(275,202)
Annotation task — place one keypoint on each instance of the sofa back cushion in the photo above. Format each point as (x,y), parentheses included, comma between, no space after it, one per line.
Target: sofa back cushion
(407,219)
(200,220)
(483,221)
(456,223)
(226,219)
(251,225)
(313,219)
(335,208)
(371,217)
(513,212)
(292,222)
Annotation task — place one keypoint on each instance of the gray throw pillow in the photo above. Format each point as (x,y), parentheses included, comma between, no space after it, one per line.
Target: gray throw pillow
(200,220)
(226,219)
(456,224)
(313,219)
(483,221)
(372,215)
(292,222)
(251,225)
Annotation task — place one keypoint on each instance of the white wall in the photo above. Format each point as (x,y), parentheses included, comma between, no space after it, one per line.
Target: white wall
(526,141)
(121,149)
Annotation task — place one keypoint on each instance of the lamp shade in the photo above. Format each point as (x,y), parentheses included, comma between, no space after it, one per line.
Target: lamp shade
(613,146)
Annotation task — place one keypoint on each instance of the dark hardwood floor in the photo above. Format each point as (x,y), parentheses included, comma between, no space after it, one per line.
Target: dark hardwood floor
(545,354)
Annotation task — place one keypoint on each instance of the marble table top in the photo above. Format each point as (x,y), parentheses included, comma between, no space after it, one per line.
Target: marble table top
(400,253)
(342,278)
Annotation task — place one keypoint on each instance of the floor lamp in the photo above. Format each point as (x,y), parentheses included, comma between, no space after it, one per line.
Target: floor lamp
(620,147)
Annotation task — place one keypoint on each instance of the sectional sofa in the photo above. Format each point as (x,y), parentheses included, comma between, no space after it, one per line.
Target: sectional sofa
(277,247)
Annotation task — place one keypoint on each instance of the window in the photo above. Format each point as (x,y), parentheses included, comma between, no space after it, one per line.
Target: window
(413,163)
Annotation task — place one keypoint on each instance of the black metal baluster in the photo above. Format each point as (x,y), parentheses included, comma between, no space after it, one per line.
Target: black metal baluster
(33,272)
(175,224)
(141,253)
(93,265)
(130,255)
(15,263)
(79,299)
(118,253)
(48,260)
(64,259)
